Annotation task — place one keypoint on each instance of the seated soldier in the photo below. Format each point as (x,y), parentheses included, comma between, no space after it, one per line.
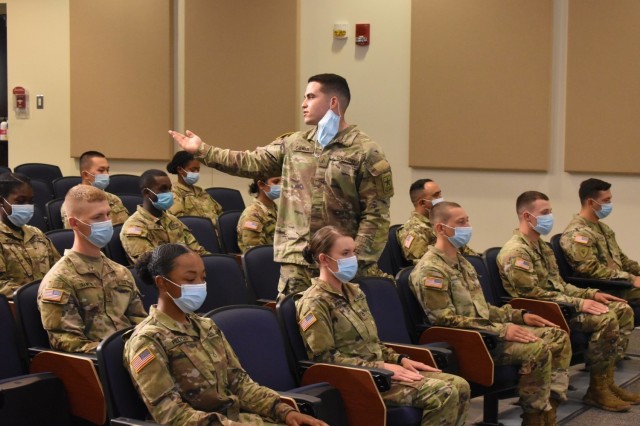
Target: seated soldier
(86,296)
(182,365)
(188,198)
(417,233)
(94,170)
(26,254)
(590,246)
(152,225)
(528,268)
(257,224)
(447,287)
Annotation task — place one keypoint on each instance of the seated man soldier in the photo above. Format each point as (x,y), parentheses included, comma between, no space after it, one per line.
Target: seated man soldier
(417,233)
(152,225)
(86,296)
(528,268)
(590,246)
(94,170)
(447,287)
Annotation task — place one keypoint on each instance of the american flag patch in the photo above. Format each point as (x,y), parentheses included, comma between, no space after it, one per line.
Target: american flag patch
(141,359)
(522,264)
(52,294)
(134,230)
(408,241)
(250,224)
(581,239)
(307,321)
(433,282)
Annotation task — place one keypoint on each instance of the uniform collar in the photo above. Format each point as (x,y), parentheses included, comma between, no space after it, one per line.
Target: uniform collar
(266,208)
(26,234)
(179,327)
(148,216)
(349,289)
(186,189)
(450,262)
(343,137)
(81,265)
(422,218)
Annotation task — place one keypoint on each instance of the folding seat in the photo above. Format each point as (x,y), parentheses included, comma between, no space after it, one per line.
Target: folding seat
(63,184)
(131,202)
(148,292)
(43,172)
(228,198)
(228,231)
(42,193)
(121,184)
(262,273)
(204,232)
(225,283)
(39,219)
(62,239)
(54,214)
(114,249)
(398,260)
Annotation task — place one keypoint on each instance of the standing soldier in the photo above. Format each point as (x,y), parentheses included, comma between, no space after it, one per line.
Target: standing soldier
(447,287)
(333,174)
(528,268)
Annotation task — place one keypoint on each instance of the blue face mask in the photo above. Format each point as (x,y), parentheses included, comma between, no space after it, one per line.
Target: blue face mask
(20,215)
(101,233)
(544,225)
(461,236)
(191,178)
(274,192)
(605,210)
(347,268)
(165,200)
(192,296)
(328,127)
(100,181)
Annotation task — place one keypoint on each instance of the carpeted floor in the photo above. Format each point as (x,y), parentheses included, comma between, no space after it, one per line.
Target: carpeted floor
(574,412)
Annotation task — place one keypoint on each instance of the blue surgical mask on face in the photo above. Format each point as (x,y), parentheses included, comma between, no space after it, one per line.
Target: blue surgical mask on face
(544,223)
(328,127)
(192,296)
(274,192)
(101,233)
(191,178)
(165,200)
(605,209)
(20,215)
(347,268)
(461,236)
(100,181)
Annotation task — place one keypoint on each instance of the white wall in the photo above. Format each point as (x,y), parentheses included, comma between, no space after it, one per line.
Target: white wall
(38,33)
(379,80)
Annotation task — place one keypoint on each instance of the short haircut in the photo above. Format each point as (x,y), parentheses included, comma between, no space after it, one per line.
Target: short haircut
(590,189)
(440,213)
(333,83)
(416,189)
(80,194)
(10,182)
(149,176)
(524,200)
(86,157)
(180,159)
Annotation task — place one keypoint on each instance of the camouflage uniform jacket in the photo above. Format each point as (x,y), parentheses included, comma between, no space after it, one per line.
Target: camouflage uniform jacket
(194,201)
(143,232)
(119,213)
(346,184)
(25,255)
(339,328)
(592,251)
(417,234)
(257,225)
(450,293)
(529,269)
(186,372)
(82,300)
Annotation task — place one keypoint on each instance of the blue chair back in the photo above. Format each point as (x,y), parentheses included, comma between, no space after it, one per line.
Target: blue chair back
(123,184)
(225,283)
(203,230)
(12,352)
(261,272)
(42,193)
(228,230)
(228,198)
(114,249)
(398,260)
(62,239)
(413,308)
(39,219)
(130,202)
(63,184)
(54,214)
(288,318)
(148,292)
(43,172)
(28,314)
(491,261)
(488,289)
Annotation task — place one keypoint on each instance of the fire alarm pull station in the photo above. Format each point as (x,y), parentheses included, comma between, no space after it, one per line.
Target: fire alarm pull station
(21,102)
(363,37)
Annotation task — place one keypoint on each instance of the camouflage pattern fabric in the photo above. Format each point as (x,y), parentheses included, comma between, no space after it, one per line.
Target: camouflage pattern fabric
(450,293)
(25,255)
(143,232)
(194,201)
(188,374)
(338,327)
(82,300)
(257,225)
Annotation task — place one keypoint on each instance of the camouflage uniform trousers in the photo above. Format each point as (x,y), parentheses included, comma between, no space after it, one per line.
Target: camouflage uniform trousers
(296,278)
(543,364)
(249,419)
(610,335)
(444,398)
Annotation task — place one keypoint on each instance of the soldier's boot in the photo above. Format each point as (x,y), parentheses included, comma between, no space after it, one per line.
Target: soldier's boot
(624,395)
(599,395)
(533,418)
(551,416)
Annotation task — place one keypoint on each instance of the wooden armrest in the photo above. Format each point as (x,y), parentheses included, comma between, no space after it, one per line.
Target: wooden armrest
(474,361)
(271,304)
(547,310)
(362,401)
(80,379)
(416,353)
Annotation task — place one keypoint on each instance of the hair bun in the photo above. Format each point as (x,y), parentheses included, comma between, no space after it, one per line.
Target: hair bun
(307,254)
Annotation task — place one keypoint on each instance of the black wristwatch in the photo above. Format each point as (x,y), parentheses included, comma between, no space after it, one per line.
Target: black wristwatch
(400,358)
